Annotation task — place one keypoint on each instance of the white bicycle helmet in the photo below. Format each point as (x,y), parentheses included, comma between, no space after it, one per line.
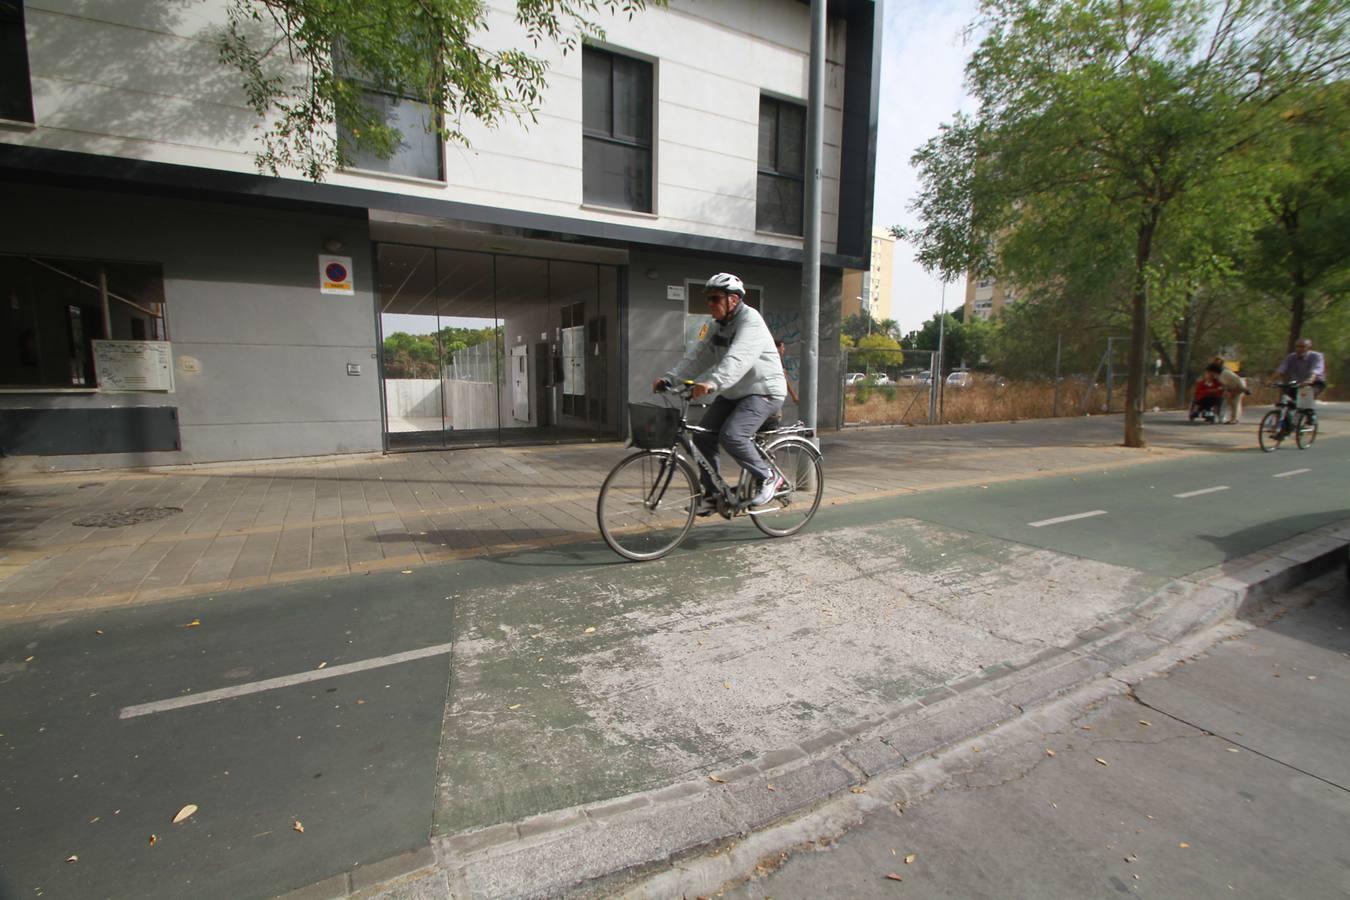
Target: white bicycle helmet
(727,283)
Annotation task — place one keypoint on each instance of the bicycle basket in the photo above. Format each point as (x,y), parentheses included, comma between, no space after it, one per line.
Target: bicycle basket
(654,427)
(1304,396)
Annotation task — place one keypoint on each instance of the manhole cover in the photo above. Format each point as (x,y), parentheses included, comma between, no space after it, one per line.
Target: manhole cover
(127,517)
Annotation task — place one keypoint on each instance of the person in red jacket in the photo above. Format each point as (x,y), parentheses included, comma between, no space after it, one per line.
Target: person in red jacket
(1208,395)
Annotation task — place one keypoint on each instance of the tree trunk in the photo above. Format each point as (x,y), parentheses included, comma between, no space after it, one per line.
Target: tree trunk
(1297,312)
(1136,386)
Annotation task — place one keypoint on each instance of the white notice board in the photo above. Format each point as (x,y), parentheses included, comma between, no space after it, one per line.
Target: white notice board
(133,365)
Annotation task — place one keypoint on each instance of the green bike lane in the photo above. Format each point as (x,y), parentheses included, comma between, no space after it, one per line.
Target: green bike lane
(1239,502)
(561,677)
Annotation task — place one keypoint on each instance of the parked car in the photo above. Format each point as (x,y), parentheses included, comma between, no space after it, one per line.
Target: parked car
(880,378)
(853,378)
(924,378)
(960,378)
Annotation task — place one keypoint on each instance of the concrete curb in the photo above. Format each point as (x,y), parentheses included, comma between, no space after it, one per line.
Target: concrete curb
(597,849)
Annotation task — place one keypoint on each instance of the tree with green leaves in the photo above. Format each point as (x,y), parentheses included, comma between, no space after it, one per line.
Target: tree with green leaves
(877,351)
(1299,257)
(307,65)
(1105,125)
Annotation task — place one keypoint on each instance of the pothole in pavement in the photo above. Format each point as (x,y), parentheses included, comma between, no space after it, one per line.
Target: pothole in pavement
(127,517)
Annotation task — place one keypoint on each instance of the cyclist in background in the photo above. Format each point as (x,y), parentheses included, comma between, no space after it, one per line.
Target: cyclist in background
(737,359)
(1304,366)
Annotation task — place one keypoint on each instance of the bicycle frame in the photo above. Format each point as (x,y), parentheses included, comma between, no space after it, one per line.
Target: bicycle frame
(729,503)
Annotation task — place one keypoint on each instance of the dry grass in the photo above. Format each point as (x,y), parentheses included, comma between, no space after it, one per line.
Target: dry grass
(906,405)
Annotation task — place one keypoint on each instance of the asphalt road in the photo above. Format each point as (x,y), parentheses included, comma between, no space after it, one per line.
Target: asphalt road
(1227,777)
(84,785)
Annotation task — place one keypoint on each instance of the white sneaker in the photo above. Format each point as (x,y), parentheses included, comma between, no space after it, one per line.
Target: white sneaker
(772,485)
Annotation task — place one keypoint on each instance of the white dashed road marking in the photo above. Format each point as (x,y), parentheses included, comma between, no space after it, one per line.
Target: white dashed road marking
(256,687)
(1222,487)
(1294,472)
(1058,519)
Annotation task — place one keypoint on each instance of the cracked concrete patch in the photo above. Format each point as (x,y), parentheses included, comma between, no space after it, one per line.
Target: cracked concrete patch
(630,676)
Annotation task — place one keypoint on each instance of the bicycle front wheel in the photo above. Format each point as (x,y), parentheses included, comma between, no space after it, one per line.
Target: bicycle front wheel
(799,462)
(647,505)
(1305,430)
(1270,434)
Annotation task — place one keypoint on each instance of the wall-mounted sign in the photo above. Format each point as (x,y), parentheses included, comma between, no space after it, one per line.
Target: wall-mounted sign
(335,275)
(133,365)
(674,292)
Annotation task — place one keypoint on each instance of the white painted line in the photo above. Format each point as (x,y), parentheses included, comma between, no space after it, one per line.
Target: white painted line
(1294,472)
(1222,487)
(241,690)
(1058,519)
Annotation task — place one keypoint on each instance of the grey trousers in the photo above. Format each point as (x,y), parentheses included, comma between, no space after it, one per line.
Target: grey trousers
(735,423)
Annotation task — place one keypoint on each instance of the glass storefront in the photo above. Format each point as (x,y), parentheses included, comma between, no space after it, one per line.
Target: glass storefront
(483,348)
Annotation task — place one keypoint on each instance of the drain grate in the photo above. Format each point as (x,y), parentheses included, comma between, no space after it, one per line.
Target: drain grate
(127,517)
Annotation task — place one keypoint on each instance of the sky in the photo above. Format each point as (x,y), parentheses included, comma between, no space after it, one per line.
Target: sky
(923,58)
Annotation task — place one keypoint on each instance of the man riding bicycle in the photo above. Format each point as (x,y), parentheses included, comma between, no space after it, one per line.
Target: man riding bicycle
(1304,366)
(739,361)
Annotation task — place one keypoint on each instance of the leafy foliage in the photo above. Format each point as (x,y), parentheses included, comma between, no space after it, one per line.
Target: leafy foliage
(1123,146)
(307,65)
(424,355)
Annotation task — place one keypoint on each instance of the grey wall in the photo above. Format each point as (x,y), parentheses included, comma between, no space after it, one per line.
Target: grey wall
(656,325)
(242,298)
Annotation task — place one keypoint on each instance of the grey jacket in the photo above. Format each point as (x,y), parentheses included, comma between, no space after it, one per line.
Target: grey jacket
(737,357)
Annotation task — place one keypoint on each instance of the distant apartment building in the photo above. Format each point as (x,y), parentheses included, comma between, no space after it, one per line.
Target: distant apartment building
(874,285)
(162,302)
(986,297)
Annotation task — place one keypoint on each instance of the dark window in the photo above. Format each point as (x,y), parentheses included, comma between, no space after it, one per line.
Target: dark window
(16,94)
(782,156)
(51,309)
(418,155)
(616,114)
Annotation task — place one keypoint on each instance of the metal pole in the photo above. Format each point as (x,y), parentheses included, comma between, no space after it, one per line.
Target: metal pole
(815,131)
(941,354)
(103,301)
(1059,347)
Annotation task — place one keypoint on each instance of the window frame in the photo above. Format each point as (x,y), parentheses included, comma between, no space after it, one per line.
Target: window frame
(17,32)
(772,169)
(588,134)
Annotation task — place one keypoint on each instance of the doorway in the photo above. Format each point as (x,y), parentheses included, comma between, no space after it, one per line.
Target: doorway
(484,349)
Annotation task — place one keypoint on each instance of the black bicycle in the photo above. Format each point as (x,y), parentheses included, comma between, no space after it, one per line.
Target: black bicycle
(1293,414)
(649,501)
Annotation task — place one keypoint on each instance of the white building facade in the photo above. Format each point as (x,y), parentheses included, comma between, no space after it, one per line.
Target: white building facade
(161,302)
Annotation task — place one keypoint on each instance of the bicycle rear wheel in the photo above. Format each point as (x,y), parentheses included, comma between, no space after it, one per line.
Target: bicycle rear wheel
(799,461)
(1269,434)
(647,505)
(1305,430)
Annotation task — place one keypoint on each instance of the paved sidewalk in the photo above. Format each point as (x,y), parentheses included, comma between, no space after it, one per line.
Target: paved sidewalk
(250,525)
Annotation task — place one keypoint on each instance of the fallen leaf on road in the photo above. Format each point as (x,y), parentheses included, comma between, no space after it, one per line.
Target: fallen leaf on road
(910,858)
(298,827)
(1184,846)
(771,787)
(727,685)
(153,838)
(514,706)
(323,665)
(98,631)
(184,813)
(30,659)
(716,779)
(857,790)
(1145,722)
(1312,677)
(1233,750)
(1049,752)
(406,572)
(590,630)
(894,877)
(72,858)
(193,624)
(1102,761)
